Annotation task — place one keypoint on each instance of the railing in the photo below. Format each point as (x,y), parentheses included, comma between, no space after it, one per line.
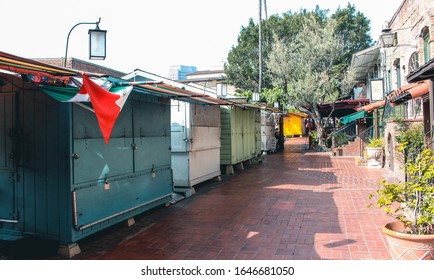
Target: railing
(364,136)
(349,130)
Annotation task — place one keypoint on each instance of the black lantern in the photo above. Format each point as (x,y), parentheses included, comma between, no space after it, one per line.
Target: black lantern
(97,43)
(388,39)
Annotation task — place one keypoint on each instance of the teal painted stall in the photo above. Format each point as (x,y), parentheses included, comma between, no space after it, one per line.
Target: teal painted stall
(240,135)
(60,181)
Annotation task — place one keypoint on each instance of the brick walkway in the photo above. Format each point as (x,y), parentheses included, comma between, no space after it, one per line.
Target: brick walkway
(294,205)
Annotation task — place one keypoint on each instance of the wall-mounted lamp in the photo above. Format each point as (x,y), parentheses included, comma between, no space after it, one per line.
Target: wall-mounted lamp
(97,42)
(255,97)
(388,38)
(276,104)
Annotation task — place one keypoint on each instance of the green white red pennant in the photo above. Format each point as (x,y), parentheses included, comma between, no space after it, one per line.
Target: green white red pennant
(107,104)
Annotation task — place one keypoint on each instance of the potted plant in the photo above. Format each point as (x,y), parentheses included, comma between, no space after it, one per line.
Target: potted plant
(411,203)
(374,151)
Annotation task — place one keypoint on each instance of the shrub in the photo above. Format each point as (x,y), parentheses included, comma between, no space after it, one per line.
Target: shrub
(376,143)
(412,201)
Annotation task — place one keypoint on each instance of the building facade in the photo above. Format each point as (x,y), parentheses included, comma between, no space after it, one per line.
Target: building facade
(405,44)
(412,28)
(180,72)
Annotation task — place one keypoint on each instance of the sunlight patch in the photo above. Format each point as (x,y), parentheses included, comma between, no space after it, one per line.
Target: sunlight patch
(252,234)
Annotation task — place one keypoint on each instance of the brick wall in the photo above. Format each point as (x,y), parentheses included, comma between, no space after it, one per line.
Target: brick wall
(352,149)
(409,21)
(395,159)
(81,65)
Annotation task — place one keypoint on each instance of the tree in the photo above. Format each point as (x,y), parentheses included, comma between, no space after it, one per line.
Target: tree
(354,28)
(242,67)
(307,68)
(294,64)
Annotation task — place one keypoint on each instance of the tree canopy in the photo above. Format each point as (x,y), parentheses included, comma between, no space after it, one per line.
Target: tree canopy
(242,67)
(307,57)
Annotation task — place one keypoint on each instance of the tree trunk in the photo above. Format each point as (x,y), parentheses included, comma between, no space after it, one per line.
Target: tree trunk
(319,127)
(322,144)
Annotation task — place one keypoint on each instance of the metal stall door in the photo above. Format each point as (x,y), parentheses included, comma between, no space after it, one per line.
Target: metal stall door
(7,166)
(99,169)
(180,142)
(179,126)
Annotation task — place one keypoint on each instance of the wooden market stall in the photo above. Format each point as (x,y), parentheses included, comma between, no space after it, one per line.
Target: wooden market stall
(294,124)
(195,136)
(240,134)
(61,177)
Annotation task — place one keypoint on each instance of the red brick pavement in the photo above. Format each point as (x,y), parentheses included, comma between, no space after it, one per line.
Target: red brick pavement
(296,204)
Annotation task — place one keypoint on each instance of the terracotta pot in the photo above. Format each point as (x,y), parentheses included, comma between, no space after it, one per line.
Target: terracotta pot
(404,246)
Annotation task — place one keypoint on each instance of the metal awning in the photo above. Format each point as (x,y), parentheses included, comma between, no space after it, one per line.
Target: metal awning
(57,80)
(352,117)
(22,65)
(363,61)
(169,91)
(341,108)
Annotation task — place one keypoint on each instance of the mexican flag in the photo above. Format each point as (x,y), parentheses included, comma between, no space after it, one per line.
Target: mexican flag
(107,105)
(107,101)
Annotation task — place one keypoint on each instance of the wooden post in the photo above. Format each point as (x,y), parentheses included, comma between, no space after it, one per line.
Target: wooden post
(375,117)
(431,111)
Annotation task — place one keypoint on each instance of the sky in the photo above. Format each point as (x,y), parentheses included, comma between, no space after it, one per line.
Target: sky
(151,35)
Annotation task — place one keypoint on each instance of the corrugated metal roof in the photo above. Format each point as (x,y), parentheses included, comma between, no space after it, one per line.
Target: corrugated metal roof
(41,71)
(163,89)
(363,61)
(22,65)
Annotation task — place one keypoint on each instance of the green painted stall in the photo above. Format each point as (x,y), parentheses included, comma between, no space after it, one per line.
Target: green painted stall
(240,135)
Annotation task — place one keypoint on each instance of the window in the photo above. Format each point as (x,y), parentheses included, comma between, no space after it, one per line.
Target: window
(413,62)
(426,46)
(389,80)
(375,71)
(397,66)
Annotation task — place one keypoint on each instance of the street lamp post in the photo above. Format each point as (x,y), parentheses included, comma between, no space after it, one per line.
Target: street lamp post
(97,42)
